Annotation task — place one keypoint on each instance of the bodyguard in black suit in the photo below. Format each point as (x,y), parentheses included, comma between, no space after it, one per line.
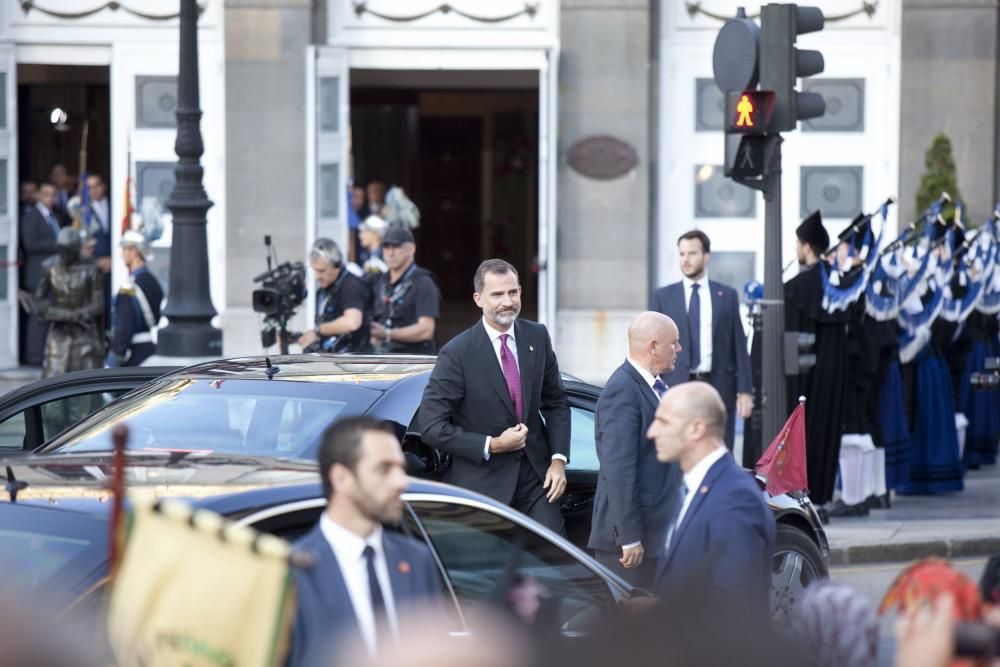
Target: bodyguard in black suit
(714,346)
(38,229)
(634,490)
(484,404)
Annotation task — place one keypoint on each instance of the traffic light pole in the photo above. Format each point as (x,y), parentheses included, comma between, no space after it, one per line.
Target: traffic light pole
(773,303)
(772,351)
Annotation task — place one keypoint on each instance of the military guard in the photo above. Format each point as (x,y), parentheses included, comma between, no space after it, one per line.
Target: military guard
(136,308)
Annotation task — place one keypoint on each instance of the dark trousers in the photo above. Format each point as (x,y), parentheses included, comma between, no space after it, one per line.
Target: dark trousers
(529,498)
(641,576)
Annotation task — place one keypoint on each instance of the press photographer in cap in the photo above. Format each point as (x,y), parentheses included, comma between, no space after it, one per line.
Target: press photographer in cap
(136,309)
(343,311)
(407,299)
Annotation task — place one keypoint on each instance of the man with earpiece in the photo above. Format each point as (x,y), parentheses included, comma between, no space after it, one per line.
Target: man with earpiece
(343,310)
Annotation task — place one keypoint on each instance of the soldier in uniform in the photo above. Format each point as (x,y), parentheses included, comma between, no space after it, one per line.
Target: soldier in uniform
(70,296)
(407,299)
(343,305)
(136,308)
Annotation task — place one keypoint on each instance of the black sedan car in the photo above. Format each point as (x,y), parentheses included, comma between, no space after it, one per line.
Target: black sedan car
(279,407)
(56,533)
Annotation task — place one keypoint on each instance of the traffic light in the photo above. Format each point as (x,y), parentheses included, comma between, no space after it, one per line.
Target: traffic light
(799,353)
(748,116)
(781,63)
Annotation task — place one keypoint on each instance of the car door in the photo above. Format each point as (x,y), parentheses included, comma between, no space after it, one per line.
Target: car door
(491,556)
(577,503)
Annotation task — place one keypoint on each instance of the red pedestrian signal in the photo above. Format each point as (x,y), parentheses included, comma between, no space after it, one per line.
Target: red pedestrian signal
(749,111)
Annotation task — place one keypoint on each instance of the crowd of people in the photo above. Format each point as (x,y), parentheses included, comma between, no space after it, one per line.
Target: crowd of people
(69,320)
(900,328)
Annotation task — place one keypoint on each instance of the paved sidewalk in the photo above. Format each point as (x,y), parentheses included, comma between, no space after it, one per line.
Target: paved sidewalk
(953,525)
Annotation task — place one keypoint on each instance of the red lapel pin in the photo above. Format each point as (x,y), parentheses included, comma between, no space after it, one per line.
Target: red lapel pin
(404,567)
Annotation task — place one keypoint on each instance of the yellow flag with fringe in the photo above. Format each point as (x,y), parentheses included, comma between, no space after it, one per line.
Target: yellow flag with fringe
(193,590)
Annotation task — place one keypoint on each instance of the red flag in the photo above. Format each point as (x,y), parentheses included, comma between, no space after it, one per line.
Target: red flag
(129,210)
(784,461)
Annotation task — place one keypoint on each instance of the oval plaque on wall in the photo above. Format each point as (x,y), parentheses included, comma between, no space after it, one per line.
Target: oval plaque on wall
(602,157)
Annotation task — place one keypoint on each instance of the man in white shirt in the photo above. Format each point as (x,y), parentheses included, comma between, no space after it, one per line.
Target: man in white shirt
(721,535)
(714,345)
(635,492)
(486,399)
(361,575)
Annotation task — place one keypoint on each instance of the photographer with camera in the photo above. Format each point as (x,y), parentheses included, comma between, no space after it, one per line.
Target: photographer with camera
(407,299)
(342,305)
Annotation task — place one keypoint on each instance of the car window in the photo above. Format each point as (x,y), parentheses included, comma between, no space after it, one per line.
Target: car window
(583,450)
(482,550)
(13,431)
(261,417)
(60,414)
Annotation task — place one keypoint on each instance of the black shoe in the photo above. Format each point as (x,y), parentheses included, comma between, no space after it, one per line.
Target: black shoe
(841,509)
(873,502)
(884,502)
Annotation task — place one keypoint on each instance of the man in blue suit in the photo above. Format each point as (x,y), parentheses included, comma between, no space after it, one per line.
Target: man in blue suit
(713,344)
(360,577)
(721,537)
(634,491)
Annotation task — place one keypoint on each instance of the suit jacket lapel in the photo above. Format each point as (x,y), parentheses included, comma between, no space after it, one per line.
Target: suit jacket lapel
(526,355)
(644,388)
(399,571)
(696,502)
(486,356)
(716,311)
(330,579)
(680,307)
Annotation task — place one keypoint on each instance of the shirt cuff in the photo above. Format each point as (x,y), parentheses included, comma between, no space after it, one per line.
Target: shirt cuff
(560,457)
(631,545)
(486,449)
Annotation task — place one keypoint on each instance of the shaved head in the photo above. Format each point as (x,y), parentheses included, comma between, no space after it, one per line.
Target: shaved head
(653,342)
(690,422)
(700,400)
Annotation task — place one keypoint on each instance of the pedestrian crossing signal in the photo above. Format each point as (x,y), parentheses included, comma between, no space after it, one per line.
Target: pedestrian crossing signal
(749,111)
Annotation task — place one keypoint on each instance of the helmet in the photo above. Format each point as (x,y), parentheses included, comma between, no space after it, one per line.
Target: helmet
(134,239)
(68,239)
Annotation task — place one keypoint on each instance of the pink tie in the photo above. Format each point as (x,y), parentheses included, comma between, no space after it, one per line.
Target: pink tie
(512,376)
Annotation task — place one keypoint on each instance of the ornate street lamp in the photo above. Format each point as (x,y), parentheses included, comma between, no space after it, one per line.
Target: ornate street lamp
(189,307)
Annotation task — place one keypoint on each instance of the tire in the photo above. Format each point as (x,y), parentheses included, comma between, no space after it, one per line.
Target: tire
(797,562)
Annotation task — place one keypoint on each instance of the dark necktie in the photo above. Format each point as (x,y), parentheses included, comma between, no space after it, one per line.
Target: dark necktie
(512,376)
(659,387)
(694,327)
(378,602)
(676,515)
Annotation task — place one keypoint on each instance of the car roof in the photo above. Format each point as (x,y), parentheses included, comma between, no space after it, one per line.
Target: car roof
(88,378)
(380,371)
(225,483)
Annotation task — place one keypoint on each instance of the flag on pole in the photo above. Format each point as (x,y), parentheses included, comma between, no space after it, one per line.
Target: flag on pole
(784,462)
(129,208)
(195,591)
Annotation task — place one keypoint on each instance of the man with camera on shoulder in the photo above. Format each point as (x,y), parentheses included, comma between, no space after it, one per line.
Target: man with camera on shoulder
(343,311)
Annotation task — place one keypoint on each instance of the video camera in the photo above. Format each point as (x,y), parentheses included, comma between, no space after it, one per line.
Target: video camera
(283,289)
(990,379)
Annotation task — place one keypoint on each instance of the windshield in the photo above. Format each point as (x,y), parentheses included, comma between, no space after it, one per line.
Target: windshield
(259,417)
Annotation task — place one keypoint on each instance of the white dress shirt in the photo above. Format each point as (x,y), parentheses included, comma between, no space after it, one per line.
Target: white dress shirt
(100,207)
(705,297)
(512,346)
(349,549)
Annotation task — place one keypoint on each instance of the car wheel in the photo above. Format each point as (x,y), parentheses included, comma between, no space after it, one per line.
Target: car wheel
(797,562)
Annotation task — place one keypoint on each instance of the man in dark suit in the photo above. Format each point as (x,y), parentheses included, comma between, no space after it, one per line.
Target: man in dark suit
(100,223)
(360,578)
(714,345)
(39,227)
(634,491)
(484,404)
(721,535)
